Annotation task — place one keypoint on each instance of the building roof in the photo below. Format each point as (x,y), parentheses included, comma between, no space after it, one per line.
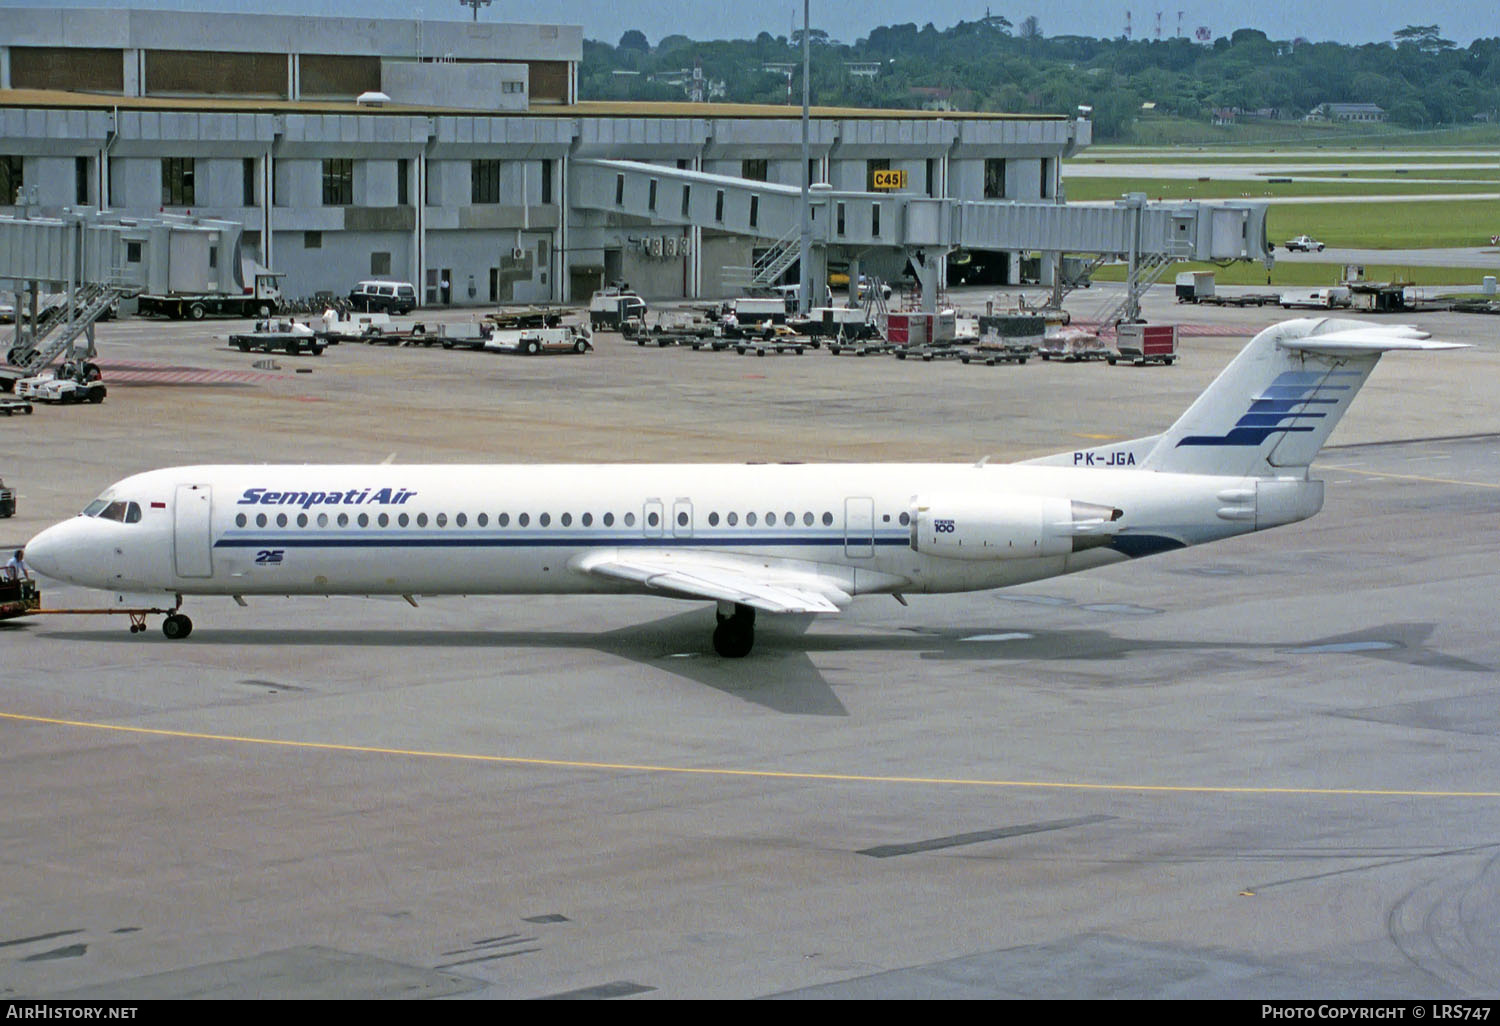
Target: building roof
(583,109)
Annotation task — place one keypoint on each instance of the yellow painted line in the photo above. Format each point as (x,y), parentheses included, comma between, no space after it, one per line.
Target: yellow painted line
(858,778)
(1101,438)
(1409,477)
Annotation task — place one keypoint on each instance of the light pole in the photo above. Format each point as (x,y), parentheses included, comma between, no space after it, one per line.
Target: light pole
(804,294)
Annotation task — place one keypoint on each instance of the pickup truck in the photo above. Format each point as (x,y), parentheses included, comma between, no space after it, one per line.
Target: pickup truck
(1304,244)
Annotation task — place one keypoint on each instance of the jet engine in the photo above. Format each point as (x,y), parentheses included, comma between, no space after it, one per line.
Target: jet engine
(1009,526)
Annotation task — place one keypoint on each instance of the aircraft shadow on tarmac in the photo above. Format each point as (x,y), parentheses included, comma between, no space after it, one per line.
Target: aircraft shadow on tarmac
(780,674)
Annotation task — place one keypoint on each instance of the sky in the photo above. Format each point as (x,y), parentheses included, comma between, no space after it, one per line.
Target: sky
(1343,21)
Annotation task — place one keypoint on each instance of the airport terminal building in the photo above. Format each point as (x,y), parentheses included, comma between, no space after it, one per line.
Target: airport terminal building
(438,152)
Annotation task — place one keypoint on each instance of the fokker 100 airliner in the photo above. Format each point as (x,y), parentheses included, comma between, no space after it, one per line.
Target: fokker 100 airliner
(769,538)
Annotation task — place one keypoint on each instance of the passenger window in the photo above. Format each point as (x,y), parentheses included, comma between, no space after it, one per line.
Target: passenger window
(827,519)
(281,520)
(905,519)
(587,520)
(343,520)
(545,520)
(733,519)
(567,520)
(402,520)
(807,519)
(523,519)
(713,520)
(260,520)
(301,519)
(442,520)
(503,520)
(460,520)
(629,519)
(749,519)
(483,520)
(421,519)
(653,519)
(609,520)
(682,519)
(322,519)
(240,520)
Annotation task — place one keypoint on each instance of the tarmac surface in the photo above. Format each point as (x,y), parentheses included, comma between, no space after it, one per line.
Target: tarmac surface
(1266,768)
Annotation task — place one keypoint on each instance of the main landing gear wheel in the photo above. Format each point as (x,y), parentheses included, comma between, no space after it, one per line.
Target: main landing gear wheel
(176,626)
(735,634)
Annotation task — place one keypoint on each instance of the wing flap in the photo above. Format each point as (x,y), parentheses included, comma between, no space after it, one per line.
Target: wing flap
(1367,340)
(697,576)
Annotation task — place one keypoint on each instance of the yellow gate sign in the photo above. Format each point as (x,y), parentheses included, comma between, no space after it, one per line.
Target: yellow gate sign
(888,179)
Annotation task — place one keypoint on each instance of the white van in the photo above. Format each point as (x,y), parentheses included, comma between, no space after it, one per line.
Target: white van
(397,297)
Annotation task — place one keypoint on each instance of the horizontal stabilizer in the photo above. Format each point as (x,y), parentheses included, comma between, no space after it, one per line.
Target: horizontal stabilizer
(1367,340)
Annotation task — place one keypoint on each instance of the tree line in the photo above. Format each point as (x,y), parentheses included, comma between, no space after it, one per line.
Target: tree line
(1419,78)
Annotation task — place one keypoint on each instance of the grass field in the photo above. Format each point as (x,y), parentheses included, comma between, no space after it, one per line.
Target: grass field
(1081,189)
(1170,131)
(1302,275)
(1419,224)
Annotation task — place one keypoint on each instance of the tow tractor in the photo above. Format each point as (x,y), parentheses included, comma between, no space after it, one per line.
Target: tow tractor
(21,596)
(71,382)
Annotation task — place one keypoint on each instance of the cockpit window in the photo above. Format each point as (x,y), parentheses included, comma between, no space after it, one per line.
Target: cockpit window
(124,512)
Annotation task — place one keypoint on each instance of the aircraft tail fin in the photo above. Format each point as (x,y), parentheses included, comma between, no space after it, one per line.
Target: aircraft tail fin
(1270,411)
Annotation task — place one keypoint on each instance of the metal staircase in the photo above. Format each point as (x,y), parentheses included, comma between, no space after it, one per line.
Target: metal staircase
(1143,275)
(33,347)
(771,264)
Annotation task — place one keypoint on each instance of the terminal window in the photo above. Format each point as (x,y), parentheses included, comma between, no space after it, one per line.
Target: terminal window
(338,182)
(484,181)
(754,170)
(10,179)
(994,178)
(177,182)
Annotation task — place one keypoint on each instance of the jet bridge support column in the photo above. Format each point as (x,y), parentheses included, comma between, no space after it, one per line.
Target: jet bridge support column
(928,264)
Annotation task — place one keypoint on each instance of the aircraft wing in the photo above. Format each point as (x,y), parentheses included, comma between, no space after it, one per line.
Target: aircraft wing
(717,576)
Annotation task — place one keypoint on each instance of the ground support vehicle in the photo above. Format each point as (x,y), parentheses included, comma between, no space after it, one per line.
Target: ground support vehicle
(525,317)
(535,341)
(289,337)
(9,406)
(1073,346)
(62,389)
(612,307)
(7,498)
(18,597)
(261,299)
(873,347)
(1145,343)
(1304,244)
(779,347)
(1243,299)
(392,297)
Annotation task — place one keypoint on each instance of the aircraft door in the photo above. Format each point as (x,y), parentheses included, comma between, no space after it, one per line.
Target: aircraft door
(192,539)
(859,528)
(682,518)
(651,518)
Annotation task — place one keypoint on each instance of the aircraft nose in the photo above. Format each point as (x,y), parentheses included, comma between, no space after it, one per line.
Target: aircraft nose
(46,554)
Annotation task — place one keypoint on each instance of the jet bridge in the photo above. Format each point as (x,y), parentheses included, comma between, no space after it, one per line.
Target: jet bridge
(85,261)
(1148,236)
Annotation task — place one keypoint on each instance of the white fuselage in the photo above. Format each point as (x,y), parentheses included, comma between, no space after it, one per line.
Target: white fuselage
(436,529)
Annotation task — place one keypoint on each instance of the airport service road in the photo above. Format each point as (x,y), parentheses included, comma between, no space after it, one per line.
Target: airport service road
(1265,768)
